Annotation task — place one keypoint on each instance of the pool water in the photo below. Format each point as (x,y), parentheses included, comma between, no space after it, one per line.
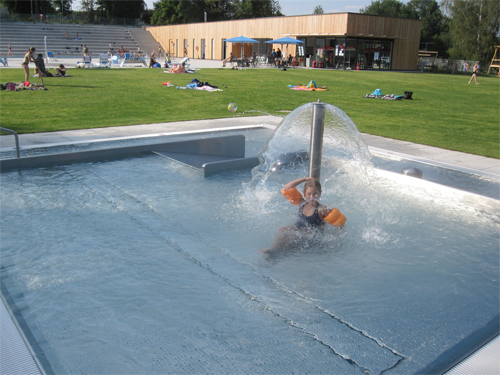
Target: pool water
(144,266)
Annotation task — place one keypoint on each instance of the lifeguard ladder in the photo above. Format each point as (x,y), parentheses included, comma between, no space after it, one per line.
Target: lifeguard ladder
(495,62)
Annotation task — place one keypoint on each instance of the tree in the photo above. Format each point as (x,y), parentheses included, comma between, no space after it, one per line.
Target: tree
(170,12)
(29,7)
(318,10)
(88,6)
(474,29)
(435,25)
(62,6)
(120,8)
(389,8)
(256,9)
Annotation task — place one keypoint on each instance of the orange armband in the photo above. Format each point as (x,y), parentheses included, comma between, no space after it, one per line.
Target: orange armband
(293,195)
(335,218)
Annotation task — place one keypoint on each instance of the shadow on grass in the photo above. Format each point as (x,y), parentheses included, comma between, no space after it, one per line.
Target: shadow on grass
(85,87)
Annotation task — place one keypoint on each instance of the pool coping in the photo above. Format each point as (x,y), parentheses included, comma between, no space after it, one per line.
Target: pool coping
(453,160)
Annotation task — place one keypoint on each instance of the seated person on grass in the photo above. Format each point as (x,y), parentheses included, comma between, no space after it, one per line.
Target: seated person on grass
(40,69)
(178,69)
(61,71)
(153,63)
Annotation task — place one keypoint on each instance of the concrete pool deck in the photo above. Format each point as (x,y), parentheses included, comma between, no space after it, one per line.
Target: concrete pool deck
(487,167)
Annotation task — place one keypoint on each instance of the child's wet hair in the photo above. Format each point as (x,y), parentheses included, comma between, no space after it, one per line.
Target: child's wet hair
(312,184)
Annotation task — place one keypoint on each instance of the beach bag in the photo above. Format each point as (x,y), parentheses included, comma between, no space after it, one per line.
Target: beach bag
(10,86)
(377,92)
(312,85)
(408,95)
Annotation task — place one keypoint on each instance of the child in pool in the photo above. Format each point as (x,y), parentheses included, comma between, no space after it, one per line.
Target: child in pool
(311,216)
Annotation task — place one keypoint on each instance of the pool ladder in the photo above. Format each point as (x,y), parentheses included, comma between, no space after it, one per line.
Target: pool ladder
(16,137)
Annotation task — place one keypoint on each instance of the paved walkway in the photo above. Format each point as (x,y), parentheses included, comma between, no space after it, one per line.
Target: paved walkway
(70,62)
(487,167)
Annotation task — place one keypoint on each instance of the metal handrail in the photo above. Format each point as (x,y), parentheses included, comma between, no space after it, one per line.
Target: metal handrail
(17,139)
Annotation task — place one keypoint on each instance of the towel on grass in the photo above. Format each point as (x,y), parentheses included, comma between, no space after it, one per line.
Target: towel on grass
(187,71)
(203,88)
(11,86)
(311,86)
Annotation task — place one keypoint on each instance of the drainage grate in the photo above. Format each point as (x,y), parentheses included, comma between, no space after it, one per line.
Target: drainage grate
(15,357)
(484,361)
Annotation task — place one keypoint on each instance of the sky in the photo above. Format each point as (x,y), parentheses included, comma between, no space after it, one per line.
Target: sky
(298,7)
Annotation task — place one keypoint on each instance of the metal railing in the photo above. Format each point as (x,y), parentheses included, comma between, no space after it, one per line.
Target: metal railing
(16,137)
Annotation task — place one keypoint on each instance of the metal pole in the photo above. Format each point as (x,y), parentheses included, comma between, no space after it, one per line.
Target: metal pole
(16,138)
(316,149)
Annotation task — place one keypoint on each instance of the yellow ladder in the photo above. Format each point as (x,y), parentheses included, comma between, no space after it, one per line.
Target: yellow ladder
(495,62)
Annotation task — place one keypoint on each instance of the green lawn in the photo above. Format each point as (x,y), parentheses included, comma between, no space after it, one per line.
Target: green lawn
(446,112)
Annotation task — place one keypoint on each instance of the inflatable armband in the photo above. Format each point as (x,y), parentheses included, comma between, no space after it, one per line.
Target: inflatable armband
(293,195)
(335,218)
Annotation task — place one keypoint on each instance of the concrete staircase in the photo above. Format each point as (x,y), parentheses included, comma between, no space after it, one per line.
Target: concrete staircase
(23,35)
(145,40)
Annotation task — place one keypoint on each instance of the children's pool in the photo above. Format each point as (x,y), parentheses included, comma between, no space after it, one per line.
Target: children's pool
(143,266)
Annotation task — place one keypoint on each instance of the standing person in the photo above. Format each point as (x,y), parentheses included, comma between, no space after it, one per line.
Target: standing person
(25,64)
(159,52)
(10,50)
(475,69)
(85,51)
(185,52)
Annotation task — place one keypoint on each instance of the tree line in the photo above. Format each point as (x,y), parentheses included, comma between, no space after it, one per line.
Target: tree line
(456,29)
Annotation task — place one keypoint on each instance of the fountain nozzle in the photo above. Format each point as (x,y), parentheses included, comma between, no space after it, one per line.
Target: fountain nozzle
(317,130)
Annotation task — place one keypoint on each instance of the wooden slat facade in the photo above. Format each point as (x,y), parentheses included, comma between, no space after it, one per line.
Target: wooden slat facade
(404,32)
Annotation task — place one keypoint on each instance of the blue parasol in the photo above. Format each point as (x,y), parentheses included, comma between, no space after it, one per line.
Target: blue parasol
(287,40)
(242,40)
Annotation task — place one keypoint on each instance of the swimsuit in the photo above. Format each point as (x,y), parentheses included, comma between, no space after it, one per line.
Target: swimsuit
(313,221)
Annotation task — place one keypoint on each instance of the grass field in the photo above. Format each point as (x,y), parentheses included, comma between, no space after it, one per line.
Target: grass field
(446,112)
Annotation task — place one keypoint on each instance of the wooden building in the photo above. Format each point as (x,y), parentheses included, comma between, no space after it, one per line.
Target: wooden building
(339,40)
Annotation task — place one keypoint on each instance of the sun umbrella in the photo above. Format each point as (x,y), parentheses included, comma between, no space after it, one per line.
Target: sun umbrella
(242,40)
(287,40)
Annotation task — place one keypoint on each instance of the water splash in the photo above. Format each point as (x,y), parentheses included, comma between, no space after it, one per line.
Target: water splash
(286,154)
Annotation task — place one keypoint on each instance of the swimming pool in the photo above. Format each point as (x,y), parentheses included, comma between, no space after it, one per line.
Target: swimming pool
(144,266)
